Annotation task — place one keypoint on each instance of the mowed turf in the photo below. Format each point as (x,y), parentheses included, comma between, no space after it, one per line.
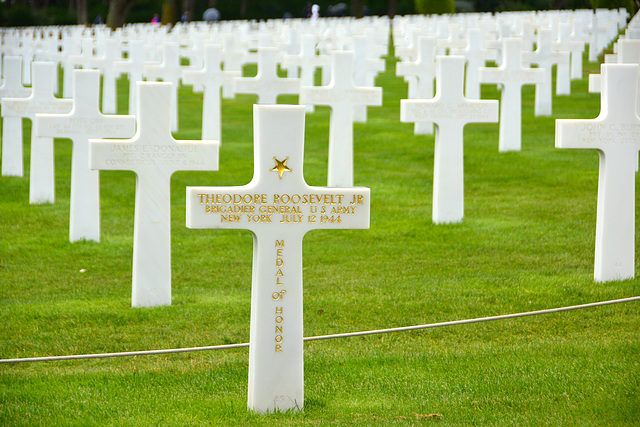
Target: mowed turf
(526,243)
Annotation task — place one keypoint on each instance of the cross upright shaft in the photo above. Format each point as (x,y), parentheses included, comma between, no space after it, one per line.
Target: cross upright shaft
(615,133)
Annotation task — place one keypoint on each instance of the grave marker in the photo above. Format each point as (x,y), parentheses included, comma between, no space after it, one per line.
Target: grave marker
(41,100)
(545,57)
(575,48)
(476,55)
(153,154)
(615,133)
(85,121)
(511,76)
(267,84)
(450,111)
(279,208)
(423,69)
(104,63)
(342,96)
(211,78)
(11,87)
(133,67)
(168,70)
(307,61)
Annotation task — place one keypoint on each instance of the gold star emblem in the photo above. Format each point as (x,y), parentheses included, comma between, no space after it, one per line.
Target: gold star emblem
(281,167)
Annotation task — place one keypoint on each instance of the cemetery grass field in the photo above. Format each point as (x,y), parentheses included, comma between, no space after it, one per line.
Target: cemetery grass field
(526,243)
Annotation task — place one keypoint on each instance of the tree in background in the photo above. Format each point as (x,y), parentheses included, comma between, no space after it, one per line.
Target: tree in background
(630,5)
(435,6)
(118,11)
(81,7)
(357,8)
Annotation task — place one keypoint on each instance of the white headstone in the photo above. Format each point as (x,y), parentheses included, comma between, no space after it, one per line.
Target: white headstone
(232,55)
(85,121)
(545,58)
(279,208)
(11,87)
(168,70)
(366,66)
(423,69)
(104,63)
(477,56)
(615,133)
(153,154)
(511,76)
(575,48)
(450,111)
(307,61)
(267,84)
(41,100)
(211,78)
(133,66)
(71,50)
(342,95)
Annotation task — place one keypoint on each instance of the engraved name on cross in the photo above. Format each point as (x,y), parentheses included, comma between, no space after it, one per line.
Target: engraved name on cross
(278,207)
(154,155)
(450,111)
(615,133)
(85,121)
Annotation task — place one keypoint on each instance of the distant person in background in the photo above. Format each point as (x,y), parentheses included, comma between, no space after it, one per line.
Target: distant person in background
(211,15)
(306,12)
(315,12)
(155,20)
(186,17)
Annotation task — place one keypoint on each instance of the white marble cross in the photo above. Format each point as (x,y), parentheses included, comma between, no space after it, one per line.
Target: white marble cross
(545,57)
(307,61)
(85,121)
(232,55)
(342,96)
(575,48)
(41,100)
(477,56)
(71,51)
(104,63)
(267,84)
(510,77)
(211,78)
(169,70)
(366,66)
(628,53)
(450,111)
(11,87)
(133,66)
(615,133)
(423,71)
(279,208)
(153,154)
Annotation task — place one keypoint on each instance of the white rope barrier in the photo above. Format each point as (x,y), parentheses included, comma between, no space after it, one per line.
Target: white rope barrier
(325,337)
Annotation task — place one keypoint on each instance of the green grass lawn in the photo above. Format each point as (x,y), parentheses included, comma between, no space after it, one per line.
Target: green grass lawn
(526,243)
